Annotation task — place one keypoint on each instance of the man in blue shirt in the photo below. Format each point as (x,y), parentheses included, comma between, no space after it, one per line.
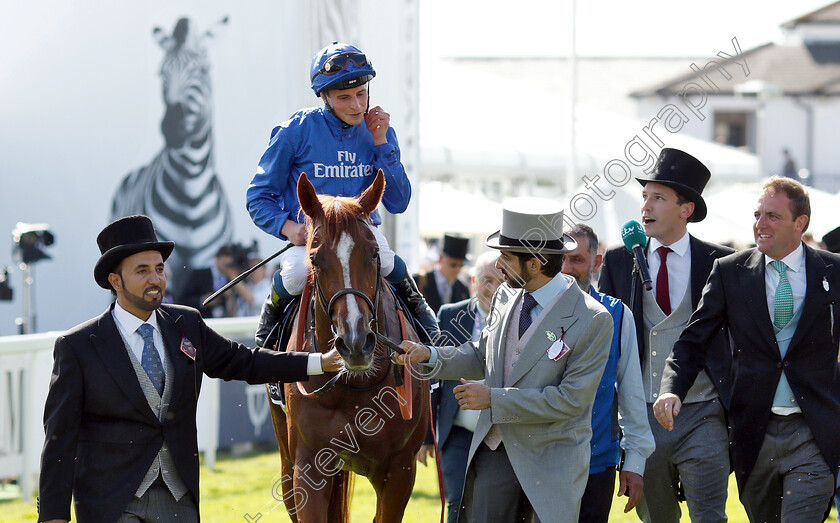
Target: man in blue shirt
(340,146)
(619,415)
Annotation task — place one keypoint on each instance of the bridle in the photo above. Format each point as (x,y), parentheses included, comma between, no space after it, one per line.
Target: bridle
(327,305)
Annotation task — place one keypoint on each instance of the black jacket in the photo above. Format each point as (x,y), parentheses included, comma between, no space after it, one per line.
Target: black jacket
(101,434)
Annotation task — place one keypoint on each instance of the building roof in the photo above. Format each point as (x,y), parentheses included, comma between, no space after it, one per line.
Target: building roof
(829,14)
(798,68)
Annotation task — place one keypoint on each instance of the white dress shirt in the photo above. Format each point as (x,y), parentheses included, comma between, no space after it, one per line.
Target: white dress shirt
(679,267)
(128,324)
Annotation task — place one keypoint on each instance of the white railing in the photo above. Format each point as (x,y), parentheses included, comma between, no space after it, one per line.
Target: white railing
(25,369)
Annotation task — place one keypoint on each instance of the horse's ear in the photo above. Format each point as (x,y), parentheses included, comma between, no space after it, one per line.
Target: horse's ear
(308,198)
(369,200)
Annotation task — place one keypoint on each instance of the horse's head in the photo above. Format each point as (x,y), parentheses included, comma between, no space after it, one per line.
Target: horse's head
(344,256)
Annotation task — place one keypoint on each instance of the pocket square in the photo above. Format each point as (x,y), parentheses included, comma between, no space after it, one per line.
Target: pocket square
(188,348)
(557,350)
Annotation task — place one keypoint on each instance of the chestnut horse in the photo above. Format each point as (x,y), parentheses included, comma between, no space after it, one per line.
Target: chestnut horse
(373,420)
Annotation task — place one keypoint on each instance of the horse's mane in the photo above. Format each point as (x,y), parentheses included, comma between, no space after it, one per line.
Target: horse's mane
(341,214)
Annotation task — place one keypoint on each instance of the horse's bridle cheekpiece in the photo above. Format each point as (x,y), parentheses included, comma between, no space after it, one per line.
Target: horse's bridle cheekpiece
(532,225)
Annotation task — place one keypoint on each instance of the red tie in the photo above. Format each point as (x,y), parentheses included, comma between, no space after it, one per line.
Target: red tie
(662,292)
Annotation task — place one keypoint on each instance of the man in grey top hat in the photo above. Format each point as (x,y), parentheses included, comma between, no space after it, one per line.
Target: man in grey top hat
(541,355)
(120,416)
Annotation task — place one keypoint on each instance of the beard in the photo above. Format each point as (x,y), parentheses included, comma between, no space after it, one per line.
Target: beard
(516,279)
(142,302)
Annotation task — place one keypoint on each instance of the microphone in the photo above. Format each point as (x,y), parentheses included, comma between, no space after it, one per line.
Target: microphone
(635,240)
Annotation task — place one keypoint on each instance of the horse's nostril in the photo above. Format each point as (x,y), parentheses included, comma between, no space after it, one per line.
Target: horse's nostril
(370,342)
(340,346)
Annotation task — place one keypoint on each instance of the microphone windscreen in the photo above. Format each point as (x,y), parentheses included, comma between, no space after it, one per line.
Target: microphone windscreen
(632,234)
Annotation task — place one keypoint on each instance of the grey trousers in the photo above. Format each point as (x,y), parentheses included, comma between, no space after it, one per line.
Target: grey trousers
(497,495)
(158,504)
(695,454)
(790,480)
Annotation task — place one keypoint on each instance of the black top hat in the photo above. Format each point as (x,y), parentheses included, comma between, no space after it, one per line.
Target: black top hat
(121,239)
(685,174)
(455,247)
(831,239)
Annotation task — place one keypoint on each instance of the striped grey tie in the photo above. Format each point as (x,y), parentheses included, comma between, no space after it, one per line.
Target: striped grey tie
(151,359)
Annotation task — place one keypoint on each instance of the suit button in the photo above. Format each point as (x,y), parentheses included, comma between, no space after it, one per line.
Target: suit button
(779,365)
(654,333)
(787,363)
(653,353)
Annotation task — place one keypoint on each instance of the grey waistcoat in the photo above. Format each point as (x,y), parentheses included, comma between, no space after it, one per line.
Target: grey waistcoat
(661,333)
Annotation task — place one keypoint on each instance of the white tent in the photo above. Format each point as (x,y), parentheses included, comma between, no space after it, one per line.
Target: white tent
(444,209)
(509,128)
(734,207)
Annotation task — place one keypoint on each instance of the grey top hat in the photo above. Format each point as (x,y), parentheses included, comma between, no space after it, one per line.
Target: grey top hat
(121,239)
(532,225)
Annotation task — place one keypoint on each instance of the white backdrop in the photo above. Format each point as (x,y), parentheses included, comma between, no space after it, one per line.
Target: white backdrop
(81,106)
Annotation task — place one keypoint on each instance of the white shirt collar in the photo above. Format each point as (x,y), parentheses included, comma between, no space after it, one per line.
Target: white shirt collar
(792,260)
(129,322)
(678,247)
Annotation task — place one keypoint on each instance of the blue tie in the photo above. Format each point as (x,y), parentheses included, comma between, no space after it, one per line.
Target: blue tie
(528,303)
(151,359)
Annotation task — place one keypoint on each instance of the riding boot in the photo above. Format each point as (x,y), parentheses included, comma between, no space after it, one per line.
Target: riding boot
(270,316)
(425,316)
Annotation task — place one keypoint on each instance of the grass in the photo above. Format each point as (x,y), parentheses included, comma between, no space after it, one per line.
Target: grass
(242,486)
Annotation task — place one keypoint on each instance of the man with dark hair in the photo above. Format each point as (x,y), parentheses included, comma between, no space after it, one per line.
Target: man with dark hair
(541,355)
(120,413)
(459,322)
(692,462)
(778,303)
(619,416)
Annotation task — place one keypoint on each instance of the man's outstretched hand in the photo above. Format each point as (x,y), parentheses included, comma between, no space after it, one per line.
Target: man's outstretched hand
(414,353)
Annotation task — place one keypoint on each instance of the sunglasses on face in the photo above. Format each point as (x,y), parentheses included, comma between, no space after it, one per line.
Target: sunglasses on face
(339,62)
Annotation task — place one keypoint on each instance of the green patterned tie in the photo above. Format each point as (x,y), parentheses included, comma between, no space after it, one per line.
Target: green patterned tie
(784,297)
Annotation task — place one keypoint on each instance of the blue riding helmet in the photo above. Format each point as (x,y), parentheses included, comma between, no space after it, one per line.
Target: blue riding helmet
(339,66)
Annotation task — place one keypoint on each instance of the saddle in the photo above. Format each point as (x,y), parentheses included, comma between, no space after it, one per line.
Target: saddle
(278,339)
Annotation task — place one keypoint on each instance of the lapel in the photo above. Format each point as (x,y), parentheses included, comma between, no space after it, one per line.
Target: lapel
(751,288)
(466,322)
(506,298)
(172,330)
(110,348)
(816,296)
(559,313)
(430,290)
(701,267)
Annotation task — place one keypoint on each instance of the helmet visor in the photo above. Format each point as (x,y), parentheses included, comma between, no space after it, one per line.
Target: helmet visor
(339,62)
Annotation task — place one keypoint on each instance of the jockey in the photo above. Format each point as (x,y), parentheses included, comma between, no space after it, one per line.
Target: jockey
(340,147)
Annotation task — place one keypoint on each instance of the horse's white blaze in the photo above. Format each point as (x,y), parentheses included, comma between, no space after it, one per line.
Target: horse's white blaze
(343,251)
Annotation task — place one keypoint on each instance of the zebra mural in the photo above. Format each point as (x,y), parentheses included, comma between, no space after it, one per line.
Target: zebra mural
(179,188)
